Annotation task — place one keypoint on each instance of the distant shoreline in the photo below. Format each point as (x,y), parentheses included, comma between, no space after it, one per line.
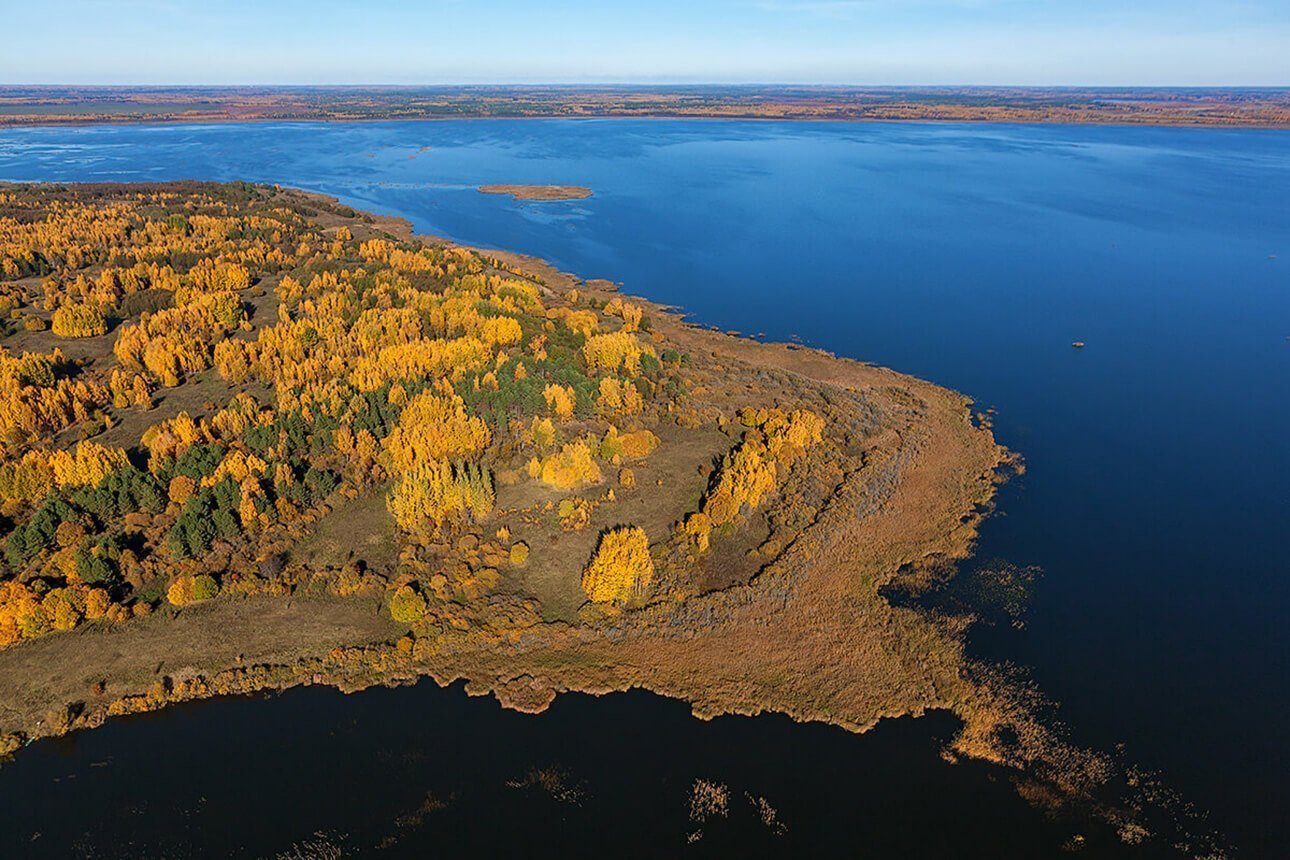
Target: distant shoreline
(24,107)
(186,121)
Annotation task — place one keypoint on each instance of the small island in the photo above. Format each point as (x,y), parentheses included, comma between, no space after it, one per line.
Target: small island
(539,192)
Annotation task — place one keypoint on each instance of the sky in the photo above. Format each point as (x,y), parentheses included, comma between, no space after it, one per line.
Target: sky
(877,42)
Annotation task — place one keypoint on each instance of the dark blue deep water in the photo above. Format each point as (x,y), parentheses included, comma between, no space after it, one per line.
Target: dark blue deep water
(1156,497)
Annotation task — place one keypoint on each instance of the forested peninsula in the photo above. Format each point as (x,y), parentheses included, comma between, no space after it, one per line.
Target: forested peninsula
(253,438)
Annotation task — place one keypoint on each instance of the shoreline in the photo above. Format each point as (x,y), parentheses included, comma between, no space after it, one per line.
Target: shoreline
(921,497)
(653,117)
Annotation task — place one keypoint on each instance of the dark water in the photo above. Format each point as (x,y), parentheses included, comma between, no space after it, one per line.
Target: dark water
(252,778)
(1157,495)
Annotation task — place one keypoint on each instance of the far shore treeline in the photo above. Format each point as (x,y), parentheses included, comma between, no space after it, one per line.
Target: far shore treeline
(1228,107)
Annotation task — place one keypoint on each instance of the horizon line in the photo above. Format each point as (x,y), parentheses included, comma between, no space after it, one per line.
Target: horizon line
(644,84)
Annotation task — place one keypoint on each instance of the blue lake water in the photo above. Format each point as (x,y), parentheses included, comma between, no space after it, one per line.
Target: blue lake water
(1157,492)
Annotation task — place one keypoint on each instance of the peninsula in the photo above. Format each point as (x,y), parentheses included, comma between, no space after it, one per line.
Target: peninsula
(253,438)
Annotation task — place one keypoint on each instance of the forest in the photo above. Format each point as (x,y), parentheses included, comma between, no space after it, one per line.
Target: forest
(193,377)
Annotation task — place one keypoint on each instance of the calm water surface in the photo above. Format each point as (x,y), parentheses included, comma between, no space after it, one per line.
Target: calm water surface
(1156,498)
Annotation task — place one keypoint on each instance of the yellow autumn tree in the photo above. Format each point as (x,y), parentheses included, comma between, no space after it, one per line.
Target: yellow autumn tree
(233,360)
(179,340)
(28,478)
(581,322)
(36,473)
(500,330)
(36,398)
(636,445)
(630,314)
(571,467)
(171,438)
(541,433)
(621,568)
(191,589)
(435,427)
(788,433)
(436,492)
(698,528)
(618,397)
(20,614)
(239,466)
(210,275)
(619,351)
(253,498)
(241,412)
(86,465)
(407,605)
(561,400)
(78,321)
(451,358)
(744,477)
(129,389)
